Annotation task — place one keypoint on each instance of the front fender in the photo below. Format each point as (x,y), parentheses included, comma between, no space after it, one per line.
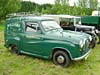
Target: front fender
(70,48)
(91,33)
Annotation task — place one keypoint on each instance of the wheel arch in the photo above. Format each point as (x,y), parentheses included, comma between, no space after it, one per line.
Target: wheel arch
(12,45)
(60,49)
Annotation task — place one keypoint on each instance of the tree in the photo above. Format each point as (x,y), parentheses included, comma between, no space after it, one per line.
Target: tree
(93,4)
(65,7)
(85,7)
(61,7)
(45,8)
(83,3)
(8,6)
(27,6)
(56,8)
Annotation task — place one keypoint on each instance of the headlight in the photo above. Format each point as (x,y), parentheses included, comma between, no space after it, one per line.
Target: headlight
(81,44)
(90,38)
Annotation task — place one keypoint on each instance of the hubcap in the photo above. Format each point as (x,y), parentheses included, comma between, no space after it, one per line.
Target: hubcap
(60,59)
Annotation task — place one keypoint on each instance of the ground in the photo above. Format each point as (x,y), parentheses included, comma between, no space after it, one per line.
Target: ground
(12,64)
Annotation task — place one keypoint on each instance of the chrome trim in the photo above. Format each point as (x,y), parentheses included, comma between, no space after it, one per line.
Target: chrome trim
(82,57)
(60,59)
(65,50)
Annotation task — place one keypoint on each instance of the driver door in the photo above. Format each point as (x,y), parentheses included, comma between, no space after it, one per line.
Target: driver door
(32,39)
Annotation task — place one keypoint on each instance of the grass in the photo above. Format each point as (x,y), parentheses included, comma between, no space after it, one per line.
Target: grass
(2,25)
(12,64)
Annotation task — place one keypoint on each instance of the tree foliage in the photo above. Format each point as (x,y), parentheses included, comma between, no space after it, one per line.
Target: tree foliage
(81,7)
(93,4)
(27,6)
(60,7)
(8,6)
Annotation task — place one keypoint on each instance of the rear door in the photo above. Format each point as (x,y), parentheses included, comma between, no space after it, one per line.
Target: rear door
(13,33)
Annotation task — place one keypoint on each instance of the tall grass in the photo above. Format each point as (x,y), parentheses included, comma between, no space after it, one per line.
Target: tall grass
(2,25)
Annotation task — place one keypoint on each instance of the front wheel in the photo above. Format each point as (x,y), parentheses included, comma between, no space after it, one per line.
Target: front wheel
(61,58)
(93,43)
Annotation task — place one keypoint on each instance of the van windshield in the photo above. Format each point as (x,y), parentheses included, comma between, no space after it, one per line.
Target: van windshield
(50,25)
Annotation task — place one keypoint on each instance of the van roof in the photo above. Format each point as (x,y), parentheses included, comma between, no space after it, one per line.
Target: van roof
(39,18)
(60,16)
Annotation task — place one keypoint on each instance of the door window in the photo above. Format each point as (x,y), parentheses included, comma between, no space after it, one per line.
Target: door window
(31,27)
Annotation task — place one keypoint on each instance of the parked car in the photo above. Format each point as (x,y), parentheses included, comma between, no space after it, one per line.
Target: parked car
(43,37)
(92,21)
(68,22)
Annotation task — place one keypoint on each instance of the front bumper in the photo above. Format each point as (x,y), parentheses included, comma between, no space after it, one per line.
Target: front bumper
(82,57)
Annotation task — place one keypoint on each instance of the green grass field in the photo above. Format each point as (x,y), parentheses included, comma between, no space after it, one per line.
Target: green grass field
(12,64)
(2,26)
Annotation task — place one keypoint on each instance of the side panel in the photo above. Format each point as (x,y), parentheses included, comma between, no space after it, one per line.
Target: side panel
(90,21)
(13,33)
(49,45)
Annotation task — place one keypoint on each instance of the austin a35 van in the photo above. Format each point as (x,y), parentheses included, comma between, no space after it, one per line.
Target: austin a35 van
(43,37)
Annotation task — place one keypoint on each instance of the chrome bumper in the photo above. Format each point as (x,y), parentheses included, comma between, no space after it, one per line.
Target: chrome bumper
(82,57)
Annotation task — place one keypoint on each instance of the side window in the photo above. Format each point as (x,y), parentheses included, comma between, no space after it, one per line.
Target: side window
(31,27)
(14,26)
(66,22)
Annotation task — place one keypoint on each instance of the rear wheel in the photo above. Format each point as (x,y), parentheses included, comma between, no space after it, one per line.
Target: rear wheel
(61,58)
(14,50)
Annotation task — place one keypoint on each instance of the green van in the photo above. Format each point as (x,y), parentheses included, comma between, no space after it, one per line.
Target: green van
(43,37)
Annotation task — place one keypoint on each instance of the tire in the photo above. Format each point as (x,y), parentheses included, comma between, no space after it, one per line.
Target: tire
(14,50)
(93,43)
(61,58)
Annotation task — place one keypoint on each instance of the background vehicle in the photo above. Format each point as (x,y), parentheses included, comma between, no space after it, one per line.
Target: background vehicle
(68,22)
(93,20)
(43,37)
